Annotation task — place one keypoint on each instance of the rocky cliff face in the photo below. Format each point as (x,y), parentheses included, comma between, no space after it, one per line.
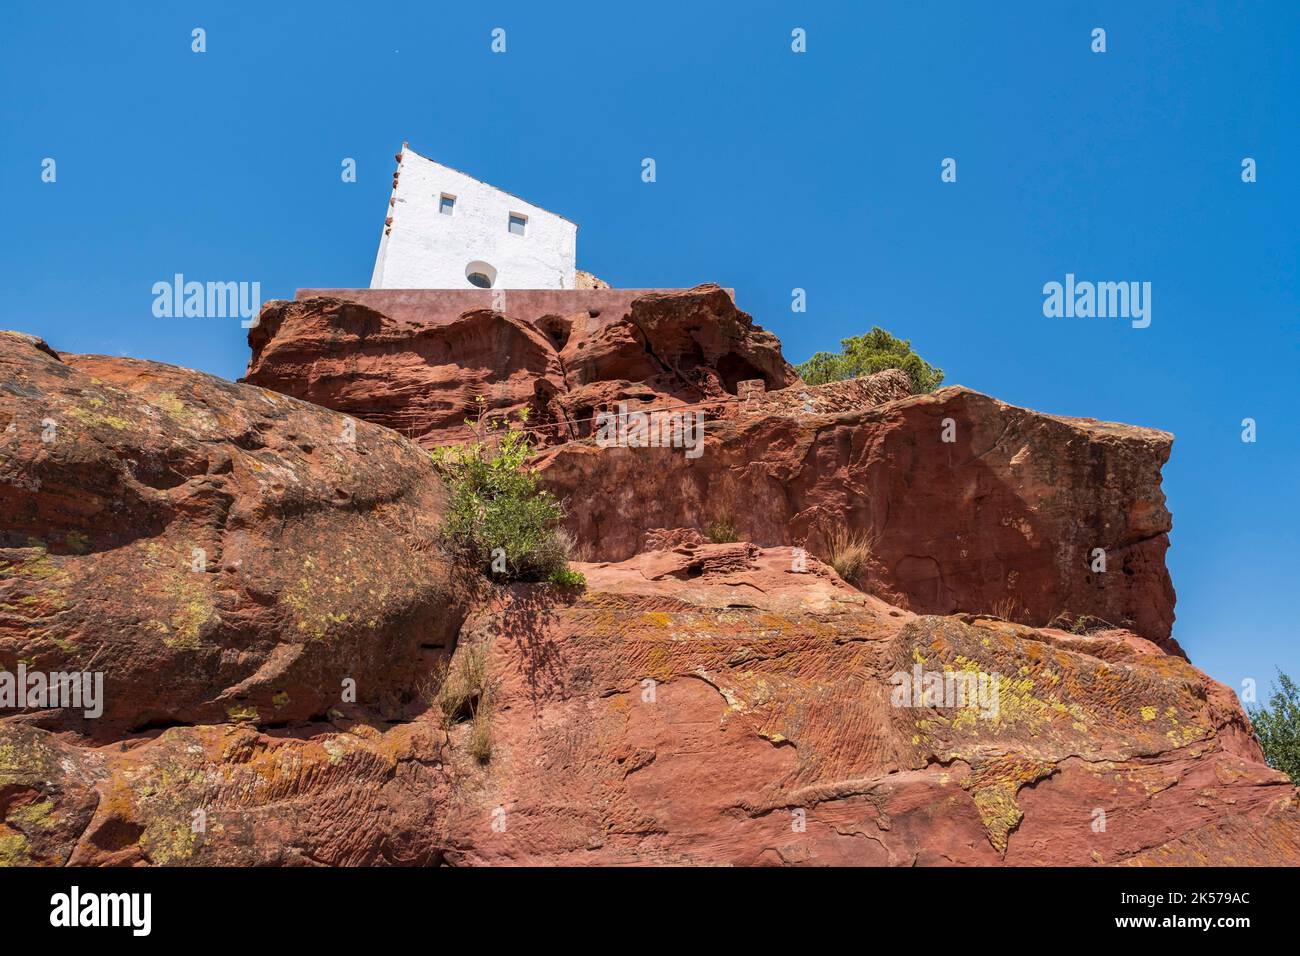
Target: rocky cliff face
(1007,515)
(421,379)
(256,579)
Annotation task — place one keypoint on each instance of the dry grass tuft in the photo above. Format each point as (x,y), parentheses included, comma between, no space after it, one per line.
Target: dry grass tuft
(849,553)
(572,550)
(721,531)
(480,733)
(1005,608)
(458,683)
(462,690)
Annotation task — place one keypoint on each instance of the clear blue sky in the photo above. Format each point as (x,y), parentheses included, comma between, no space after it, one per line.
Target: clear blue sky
(775,171)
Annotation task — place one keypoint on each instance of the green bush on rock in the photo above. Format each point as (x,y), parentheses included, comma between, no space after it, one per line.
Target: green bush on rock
(499,520)
(868,354)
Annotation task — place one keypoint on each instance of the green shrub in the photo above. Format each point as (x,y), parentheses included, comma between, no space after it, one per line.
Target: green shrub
(867,354)
(568,578)
(499,521)
(1277,725)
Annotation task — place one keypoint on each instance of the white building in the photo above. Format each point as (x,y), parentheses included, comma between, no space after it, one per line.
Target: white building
(446,230)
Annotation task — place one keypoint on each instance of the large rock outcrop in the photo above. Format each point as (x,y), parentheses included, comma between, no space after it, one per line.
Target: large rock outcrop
(421,382)
(421,379)
(211,549)
(236,562)
(967,503)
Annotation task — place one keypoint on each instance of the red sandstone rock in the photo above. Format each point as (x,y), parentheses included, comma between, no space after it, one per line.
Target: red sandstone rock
(421,382)
(697,703)
(212,549)
(1006,516)
(690,345)
(707,705)
(347,794)
(421,379)
(711,706)
(1003,518)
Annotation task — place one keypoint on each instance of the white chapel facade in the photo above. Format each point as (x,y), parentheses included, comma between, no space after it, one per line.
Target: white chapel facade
(447,230)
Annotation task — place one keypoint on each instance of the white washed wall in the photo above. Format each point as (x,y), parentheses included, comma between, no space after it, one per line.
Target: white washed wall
(426,249)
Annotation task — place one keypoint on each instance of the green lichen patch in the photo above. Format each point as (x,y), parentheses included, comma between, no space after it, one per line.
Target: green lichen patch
(14,850)
(993,786)
(33,816)
(95,419)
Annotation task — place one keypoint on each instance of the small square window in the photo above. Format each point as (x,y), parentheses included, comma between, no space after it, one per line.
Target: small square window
(518,224)
(446,204)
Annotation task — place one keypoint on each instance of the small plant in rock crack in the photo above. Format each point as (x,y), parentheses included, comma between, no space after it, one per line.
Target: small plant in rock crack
(721,531)
(850,553)
(1086,624)
(462,690)
(1005,608)
(568,578)
(1081,624)
(499,520)
(480,733)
